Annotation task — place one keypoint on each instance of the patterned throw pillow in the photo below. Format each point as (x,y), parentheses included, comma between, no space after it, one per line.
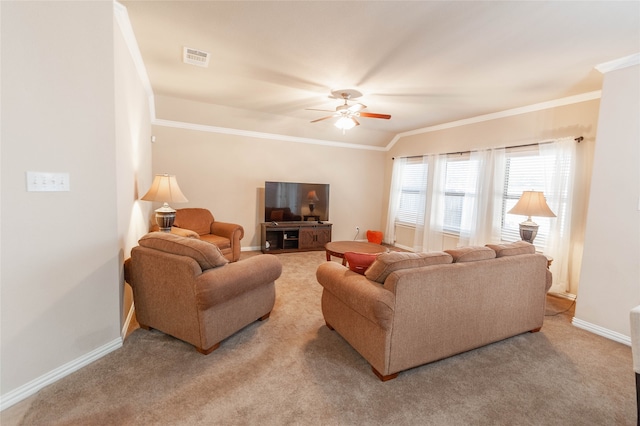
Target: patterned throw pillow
(359,262)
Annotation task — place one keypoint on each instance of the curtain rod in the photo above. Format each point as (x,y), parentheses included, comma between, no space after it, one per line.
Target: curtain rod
(578,139)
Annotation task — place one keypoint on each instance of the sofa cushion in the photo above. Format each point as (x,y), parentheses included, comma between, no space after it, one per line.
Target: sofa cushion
(207,255)
(471,254)
(359,262)
(512,249)
(387,263)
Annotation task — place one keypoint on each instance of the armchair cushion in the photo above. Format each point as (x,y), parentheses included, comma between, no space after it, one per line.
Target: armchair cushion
(200,223)
(195,219)
(207,255)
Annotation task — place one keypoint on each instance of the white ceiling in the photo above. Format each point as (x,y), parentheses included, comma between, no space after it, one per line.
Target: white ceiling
(423,62)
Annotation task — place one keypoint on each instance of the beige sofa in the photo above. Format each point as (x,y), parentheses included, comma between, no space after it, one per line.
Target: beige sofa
(186,288)
(410,309)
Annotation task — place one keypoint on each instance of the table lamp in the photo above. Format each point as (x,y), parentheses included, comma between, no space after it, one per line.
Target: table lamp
(312,197)
(165,189)
(531,203)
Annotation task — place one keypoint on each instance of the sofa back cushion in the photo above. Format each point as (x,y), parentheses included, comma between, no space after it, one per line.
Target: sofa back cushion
(512,249)
(206,254)
(471,254)
(386,263)
(195,219)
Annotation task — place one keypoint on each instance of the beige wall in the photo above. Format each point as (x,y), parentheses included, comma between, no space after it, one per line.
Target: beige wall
(133,154)
(65,108)
(578,119)
(226,174)
(610,284)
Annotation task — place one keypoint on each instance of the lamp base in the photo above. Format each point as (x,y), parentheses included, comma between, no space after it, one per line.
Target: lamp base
(528,231)
(165,216)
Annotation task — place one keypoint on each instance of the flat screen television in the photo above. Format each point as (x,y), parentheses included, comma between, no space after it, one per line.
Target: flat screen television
(293,202)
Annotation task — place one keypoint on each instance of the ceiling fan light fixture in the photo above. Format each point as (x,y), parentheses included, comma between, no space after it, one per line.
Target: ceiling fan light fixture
(345,123)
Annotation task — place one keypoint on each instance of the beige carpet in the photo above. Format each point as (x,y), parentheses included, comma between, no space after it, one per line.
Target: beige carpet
(292,370)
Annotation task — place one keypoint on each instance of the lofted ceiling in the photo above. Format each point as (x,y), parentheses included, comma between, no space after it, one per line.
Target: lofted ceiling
(423,62)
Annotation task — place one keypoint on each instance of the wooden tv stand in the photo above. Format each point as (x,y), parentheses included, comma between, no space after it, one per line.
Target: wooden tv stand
(286,237)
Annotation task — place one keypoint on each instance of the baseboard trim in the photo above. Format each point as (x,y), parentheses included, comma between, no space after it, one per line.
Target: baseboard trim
(30,388)
(601,331)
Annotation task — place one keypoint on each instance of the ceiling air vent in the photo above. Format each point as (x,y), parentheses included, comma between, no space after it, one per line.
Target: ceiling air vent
(195,57)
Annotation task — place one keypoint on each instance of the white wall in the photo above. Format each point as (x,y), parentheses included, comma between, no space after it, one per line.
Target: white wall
(226,174)
(61,286)
(610,284)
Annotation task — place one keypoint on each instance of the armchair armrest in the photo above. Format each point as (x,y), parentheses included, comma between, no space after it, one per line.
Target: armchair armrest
(362,295)
(228,230)
(178,231)
(218,285)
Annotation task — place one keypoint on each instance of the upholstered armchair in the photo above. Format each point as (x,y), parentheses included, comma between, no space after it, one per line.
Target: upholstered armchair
(185,288)
(200,223)
(635,350)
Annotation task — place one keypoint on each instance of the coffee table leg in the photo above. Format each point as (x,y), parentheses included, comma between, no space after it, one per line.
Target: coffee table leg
(328,256)
(344,261)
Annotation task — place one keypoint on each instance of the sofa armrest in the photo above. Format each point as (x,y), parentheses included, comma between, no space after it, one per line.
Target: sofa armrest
(364,296)
(228,230)
(218,285)
(635,338)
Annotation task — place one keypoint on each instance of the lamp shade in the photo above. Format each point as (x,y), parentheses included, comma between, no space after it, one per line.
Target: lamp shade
(532,203)
(165,189)
(312,196)
(346,123)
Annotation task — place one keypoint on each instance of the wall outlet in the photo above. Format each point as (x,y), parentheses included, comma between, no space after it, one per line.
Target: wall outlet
(357,229)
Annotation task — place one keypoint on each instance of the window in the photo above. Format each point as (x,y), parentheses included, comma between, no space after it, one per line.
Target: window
(413,192)
(524,171)
(460,180)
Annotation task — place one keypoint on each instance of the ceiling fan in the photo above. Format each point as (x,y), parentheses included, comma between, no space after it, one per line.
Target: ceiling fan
(348,114)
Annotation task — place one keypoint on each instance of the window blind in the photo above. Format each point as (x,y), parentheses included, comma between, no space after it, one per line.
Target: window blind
(413,192)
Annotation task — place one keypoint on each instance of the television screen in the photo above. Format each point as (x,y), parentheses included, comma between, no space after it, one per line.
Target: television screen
(293,202)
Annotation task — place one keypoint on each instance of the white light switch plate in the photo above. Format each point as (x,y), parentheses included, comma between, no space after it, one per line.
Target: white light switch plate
(47,182)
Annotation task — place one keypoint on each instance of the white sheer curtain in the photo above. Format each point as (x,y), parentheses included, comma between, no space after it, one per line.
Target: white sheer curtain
(560,164)
(394,199)
(481,209)
(428,236)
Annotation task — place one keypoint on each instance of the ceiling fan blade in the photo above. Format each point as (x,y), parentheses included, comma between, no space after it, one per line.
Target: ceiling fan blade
(355,121)
(374,115)
(323,118)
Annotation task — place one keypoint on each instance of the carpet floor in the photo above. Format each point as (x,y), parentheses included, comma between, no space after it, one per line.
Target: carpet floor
(292,370)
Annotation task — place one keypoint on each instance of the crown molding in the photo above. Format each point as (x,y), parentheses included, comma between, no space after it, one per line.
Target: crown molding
(501,114)
(122,18)
(259,135)
(616,64)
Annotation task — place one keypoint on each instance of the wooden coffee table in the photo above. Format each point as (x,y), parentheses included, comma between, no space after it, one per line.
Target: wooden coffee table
(339,248)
